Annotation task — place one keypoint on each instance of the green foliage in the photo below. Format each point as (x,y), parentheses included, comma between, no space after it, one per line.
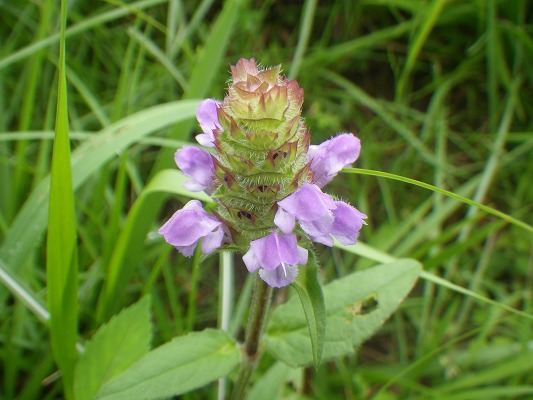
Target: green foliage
(439,93)
(185,363)
(347,323)
(61,249)
(113,348)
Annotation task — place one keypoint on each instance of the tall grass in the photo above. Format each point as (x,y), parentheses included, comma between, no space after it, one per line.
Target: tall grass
(438,91)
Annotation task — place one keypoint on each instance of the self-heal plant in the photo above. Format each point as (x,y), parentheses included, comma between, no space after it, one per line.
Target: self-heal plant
(265,181)
(264,177)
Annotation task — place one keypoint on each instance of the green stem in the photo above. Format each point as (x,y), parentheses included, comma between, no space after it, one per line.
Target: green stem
(260,306)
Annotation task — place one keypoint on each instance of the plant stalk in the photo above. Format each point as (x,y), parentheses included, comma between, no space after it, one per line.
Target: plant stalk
(260,305)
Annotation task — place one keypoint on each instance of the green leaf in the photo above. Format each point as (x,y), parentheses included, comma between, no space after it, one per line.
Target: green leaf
(185,363)
(113,348)
(348,323)
(61,254)
(312,299)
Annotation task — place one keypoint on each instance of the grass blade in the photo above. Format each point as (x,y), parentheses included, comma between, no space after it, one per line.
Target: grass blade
(61,255)
(455,196)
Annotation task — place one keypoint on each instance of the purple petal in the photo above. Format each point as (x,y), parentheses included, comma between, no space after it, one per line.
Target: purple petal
(302,255)
(284,220)
(212,241)
(198,165)
(207,117)
(308,203)
(190,224)
(275,249)
(187,251)
(287,248)
(348,222)
(264,253)
(279,277)
(185,227)
(328,158)
(206,139)
(251,261)
(318,227)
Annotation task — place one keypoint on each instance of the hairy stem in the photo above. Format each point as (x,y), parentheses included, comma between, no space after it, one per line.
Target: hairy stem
(260,305)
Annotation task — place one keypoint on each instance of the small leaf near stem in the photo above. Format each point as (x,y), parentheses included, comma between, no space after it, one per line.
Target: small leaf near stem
(310,292)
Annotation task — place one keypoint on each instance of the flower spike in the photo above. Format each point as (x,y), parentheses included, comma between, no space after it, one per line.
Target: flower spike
(264,177)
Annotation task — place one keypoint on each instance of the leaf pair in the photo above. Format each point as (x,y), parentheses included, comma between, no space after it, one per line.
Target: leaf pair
(117,363)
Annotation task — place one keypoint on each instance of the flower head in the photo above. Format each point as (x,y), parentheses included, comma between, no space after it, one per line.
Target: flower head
(328,158)
(264,177)
(190,224)
(276,257)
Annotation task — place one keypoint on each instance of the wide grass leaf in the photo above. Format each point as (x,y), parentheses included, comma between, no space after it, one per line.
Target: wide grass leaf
(350,321)
(185,363)
(114,347)
(61,250)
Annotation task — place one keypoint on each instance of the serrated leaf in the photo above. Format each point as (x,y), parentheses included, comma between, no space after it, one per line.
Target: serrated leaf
(310,292)
(287,334)
(113,348)
(185,363)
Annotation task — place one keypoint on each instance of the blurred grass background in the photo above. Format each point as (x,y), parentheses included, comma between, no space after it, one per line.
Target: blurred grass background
(437,90)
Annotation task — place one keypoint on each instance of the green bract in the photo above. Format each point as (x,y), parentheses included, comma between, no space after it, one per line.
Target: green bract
(262,145)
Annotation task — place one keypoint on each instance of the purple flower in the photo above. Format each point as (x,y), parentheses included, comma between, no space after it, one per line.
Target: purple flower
(198,165)
(347,224)
(319,216)
(276,257)
(328,158)
(207,116)
(190,224)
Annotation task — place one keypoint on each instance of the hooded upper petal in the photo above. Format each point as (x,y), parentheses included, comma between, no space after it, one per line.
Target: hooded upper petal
(328,158)
(308,203)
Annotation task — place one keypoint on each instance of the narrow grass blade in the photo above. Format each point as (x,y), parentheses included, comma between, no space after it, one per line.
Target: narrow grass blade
(61,255)
(455,196)
(305,31)
(25,295)
(429,18)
